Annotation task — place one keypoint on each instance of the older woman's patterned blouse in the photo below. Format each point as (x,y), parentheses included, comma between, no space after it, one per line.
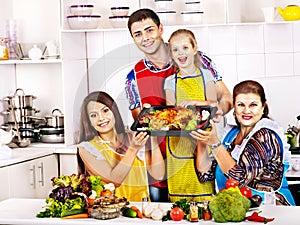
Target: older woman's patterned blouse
(260,165)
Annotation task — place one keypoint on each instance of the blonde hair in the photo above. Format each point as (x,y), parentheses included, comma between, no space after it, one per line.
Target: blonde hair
(193,42)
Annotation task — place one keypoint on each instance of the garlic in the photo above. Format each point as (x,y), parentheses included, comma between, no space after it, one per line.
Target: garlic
(93,195)
(110,186)
(157,214)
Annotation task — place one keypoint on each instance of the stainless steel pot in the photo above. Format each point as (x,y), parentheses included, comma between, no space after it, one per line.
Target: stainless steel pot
(51,130)
(56,119)
(52,138)
(20,100)
(21,114)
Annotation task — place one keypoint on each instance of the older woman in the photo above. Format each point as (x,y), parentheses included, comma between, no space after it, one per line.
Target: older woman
(108,151)
(254,152)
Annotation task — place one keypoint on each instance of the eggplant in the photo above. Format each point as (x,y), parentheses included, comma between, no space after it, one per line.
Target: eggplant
(256,201)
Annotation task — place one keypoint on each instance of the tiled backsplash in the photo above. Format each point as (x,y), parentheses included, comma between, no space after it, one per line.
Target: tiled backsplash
(268,53)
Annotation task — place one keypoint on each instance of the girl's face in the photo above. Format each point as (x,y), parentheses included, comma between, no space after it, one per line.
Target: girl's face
(248,109)
(101,117)
(183,51)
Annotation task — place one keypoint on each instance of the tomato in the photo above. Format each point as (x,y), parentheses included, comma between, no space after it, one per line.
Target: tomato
(177,213)
(231,183)
(246,192)
(106,192)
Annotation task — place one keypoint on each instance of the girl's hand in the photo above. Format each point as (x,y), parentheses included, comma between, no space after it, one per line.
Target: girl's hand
(186,103)
(139,139)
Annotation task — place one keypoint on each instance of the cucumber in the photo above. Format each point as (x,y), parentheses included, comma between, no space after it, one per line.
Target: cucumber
(72,212)
(128,212)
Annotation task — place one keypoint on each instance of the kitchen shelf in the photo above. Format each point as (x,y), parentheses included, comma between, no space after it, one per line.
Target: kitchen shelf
(29,61)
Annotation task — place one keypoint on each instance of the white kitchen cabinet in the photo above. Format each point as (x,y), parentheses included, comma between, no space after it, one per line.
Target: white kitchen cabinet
(4,187)
(32,179)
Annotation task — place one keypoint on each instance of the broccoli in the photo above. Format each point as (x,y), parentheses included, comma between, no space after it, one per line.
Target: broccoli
(229,205)
(61,181)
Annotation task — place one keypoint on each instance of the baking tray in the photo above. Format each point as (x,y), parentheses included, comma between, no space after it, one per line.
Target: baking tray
(137,126)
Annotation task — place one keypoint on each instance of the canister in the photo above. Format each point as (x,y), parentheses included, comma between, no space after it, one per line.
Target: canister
(3,48)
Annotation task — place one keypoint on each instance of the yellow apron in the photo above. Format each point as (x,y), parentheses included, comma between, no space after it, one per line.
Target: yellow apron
(135,185)
(182,178)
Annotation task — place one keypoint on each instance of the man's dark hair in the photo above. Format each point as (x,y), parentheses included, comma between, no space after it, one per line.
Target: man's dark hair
(142,14)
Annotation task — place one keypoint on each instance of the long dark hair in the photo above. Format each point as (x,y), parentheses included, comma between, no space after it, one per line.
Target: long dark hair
(142,14)
(251,86)
(87,131)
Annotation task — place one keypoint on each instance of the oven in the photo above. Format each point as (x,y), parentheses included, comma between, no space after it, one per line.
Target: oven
(293,177)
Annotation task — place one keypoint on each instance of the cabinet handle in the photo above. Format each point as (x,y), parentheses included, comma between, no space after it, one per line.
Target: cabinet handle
(32,170)
(41,180)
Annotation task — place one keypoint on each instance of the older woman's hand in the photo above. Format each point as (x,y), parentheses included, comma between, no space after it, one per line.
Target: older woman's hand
(201,135)
(206,136)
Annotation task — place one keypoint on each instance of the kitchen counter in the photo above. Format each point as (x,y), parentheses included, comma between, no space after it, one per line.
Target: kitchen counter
(23,211)
(36,150)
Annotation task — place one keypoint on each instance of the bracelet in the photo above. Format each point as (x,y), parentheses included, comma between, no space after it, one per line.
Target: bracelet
(215,145)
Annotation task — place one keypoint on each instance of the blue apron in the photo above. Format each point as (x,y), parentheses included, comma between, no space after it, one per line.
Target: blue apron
(221,178)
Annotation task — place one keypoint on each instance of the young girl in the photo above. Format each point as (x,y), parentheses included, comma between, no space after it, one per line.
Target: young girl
(108,151)
(190,85)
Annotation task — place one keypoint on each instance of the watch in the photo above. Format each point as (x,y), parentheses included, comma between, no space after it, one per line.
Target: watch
(215,145)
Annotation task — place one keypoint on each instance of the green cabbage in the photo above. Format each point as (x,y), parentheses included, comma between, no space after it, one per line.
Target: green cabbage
(229,205)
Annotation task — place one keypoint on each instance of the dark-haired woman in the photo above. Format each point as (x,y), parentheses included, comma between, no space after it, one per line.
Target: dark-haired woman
(108,151)
(254,152)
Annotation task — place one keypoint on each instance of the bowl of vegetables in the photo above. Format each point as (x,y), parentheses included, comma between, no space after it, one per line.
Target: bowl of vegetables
(69,196)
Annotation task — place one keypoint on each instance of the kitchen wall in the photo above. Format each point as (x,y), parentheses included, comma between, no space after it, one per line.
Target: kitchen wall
(264,52)
(267,52)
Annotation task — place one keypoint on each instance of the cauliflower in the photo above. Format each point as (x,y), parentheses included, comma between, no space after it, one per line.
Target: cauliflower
(229,205)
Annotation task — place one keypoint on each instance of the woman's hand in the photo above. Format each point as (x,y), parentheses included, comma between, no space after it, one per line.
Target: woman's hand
(206,136)
(139,139)
(201,135)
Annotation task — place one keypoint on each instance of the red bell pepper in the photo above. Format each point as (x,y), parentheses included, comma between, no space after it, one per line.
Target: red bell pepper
(256,218)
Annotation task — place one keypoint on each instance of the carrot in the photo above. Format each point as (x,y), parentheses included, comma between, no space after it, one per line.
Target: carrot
(77,216)
(139,213)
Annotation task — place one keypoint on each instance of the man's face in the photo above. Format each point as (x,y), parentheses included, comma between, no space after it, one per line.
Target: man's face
(147,36)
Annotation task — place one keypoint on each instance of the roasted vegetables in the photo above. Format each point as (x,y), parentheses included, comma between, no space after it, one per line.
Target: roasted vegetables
(174,118)
(229,205)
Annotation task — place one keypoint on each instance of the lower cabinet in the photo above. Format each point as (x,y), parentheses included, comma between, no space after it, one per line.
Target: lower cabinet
(32,179)
(4,187)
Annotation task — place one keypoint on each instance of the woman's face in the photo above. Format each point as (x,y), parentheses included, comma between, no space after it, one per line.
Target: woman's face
(182,51)
(101,117)
(248,109)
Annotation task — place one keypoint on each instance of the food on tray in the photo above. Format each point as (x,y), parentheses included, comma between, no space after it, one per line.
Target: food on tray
(174,118)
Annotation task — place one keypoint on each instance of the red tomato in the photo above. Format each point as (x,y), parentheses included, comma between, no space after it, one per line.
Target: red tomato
(177,213)
(246,192)
(231,183)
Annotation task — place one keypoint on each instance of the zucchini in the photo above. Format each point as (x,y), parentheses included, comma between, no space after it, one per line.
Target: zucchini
(128,212)
(70,212)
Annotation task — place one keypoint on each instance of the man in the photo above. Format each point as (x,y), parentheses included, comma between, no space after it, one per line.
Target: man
(144,84)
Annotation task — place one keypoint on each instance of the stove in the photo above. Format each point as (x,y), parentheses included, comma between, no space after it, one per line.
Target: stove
(293,177)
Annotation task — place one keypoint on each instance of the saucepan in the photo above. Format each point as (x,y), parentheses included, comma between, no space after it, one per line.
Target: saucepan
(20,100)
(56,119)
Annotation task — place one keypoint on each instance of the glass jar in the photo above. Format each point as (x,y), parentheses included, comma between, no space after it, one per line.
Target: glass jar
(3,49)
(145,203)
(206,214)
(194,212)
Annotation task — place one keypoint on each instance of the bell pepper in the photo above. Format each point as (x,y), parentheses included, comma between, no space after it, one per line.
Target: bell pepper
(257,218)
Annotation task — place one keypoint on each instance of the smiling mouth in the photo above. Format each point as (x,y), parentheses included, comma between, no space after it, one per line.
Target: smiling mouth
(182,59)
(246,117)
(104,124)
(149,44)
